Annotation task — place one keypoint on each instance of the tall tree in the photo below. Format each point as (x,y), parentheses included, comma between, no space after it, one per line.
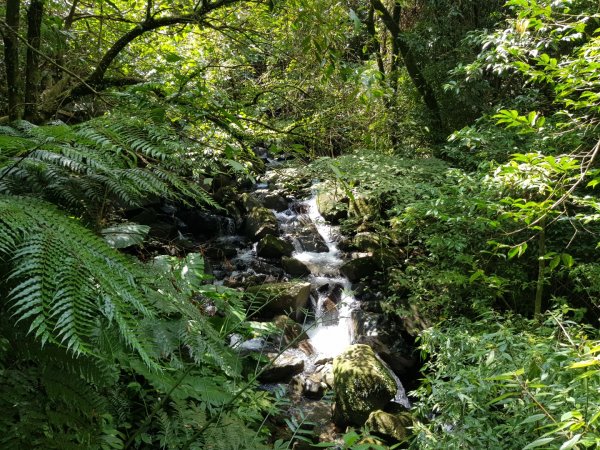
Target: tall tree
(11,57)
(32,68)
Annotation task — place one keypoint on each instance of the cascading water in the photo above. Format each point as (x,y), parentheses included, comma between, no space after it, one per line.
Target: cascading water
(331,332)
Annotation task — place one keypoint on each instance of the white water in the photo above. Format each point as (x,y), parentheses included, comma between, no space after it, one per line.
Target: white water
(331,333)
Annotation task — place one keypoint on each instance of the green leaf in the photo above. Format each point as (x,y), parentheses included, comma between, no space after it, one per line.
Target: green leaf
(571,442)
(538,442)
(567,259)
(534,418)
(125,235)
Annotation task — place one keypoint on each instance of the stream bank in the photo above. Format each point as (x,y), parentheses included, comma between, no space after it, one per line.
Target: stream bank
(314,305)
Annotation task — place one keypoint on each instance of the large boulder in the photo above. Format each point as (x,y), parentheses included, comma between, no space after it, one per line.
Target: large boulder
(260,222)
(362,385)
(279,298)
(273,247)
(332,202)
(359,268)
(389,425)
(294,267)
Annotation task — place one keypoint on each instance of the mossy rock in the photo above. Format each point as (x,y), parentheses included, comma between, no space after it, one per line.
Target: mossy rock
(260,222)
(359,268)
(366,241)
(362,385)
(273,247)
(393,426)
(332,202)
(279,298)
(294,267)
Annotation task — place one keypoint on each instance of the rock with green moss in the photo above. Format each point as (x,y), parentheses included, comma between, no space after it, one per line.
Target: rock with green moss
(359,268)
(260,222)
(273,247)
(332,202)
(394,426)
(362,385)
(272,299)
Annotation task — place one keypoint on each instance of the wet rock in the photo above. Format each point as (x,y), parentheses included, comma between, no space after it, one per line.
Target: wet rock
(401,364)
(291,331)
(366,323)
(273,247)
(294,267)
(306,347)
(248,346)
(310,239)
(314,388)
(332,202)
(244,280)
(363,385)
(283,367)
(394,426)
(263,267)
(359,268)
(279,298)
(275,201)
(260,222)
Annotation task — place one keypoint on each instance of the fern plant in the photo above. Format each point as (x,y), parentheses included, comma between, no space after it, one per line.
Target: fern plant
(109,161)
(109,353)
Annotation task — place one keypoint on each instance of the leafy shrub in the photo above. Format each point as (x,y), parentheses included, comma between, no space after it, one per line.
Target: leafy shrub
(506,382)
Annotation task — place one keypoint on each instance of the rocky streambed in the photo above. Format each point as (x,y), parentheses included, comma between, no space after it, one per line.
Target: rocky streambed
(321,341)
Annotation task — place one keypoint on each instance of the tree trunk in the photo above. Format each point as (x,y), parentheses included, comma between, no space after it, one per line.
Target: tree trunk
(32,70)
(392,24)
(11,58)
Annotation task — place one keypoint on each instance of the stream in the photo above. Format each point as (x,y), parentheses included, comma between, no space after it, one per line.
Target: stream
(331,317)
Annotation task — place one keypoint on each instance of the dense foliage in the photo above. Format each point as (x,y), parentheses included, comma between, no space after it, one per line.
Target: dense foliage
(463,136)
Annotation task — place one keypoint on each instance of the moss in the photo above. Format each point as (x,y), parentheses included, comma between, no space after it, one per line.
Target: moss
(362,384)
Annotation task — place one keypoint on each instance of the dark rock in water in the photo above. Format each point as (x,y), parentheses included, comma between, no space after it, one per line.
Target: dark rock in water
(294,267)
(394,426)
(291,331)
(262,267)
(283,367)
(260,222)
(359,268)
(309,238)
(332,292)
(275,201)
(363,385)
(399,363)
(207,224)
(279,298)
(273,247)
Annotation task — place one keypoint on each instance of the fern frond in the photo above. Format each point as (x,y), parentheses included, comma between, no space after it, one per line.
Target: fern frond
(67,280)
